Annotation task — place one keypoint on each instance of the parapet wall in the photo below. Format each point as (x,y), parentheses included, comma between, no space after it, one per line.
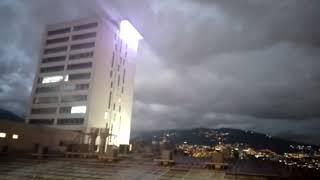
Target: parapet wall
(21,137)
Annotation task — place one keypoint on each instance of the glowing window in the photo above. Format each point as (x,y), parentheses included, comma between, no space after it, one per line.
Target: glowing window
(78,109)
(3,135)
(15,136)
(129,34)
(52,79)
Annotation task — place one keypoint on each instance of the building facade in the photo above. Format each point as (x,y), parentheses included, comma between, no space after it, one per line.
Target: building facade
(85,77)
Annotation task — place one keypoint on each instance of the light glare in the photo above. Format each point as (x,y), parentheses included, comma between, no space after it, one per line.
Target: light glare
(129,34)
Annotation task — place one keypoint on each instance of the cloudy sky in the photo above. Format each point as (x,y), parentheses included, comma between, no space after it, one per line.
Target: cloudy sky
(249,64)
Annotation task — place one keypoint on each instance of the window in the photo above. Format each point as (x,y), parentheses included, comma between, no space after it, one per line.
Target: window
(78,109)
(65,110)
(85,26)
(52,69)
(45,100)
(3,135)
(114,106)
(59,31)
(70,121)
(15,136)
(73,110)
(109,104)
(112,61)
(40,90)
(79,66)
(82,86)
(81,56)
(111,84)
(41,121)
(84,36)
(55,50)
(119,108)
(74,98)
(75,87)
(57,40)
(50,79)
(118,79)
(79,76)
(122,89)
(111,74)
(124,74)
(43,110)
(54,59)
(82,46)
(120,46)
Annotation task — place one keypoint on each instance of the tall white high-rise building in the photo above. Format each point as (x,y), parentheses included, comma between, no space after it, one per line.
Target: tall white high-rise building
(85,77)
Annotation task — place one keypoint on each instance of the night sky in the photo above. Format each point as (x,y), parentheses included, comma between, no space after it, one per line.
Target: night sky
(248,64)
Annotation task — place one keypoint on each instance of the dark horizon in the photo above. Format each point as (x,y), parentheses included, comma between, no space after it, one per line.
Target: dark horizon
(243,65)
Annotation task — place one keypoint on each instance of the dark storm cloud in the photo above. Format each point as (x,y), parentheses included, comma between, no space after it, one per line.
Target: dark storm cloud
(225,26)
(245,64)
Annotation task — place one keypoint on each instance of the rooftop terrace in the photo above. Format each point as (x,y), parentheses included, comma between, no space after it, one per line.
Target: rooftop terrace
(132,168)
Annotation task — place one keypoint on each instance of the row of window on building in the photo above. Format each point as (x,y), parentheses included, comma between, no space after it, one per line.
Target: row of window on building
(60,49)
(60,78)
(64,99)
(50,69)
(70,57)
(60,121)
(73,38)
(63,88)
(74,28)
(62,110)
(4,135)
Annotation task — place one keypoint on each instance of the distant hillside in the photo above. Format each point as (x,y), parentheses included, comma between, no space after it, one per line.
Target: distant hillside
(7,115)
(204,136)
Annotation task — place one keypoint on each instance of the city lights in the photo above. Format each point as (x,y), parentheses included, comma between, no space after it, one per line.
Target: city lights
(15,136)
(3,135)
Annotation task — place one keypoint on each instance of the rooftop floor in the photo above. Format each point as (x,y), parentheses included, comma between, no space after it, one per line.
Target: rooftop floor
(133,168)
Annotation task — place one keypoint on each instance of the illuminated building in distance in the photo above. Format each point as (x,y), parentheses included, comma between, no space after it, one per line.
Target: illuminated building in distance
(85,77)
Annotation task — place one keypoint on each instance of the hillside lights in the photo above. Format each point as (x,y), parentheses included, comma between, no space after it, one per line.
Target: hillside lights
(15,136)
(3,135)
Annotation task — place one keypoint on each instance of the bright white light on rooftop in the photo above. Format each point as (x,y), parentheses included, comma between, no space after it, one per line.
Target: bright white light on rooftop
(15,136)
(78,109)
(3,135)
(129,34)
(52,79)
